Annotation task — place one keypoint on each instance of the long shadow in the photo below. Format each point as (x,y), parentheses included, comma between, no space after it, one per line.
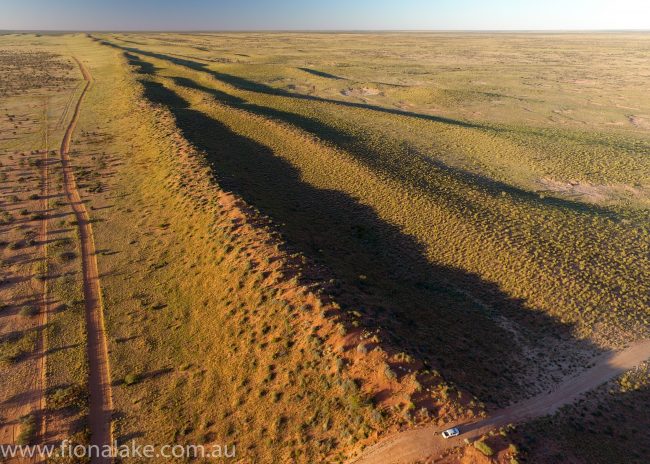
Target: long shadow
(147,376)
(318,73)
(331,134)
(314,126)
(493,186)
(364,154)
(19,398)
(61,348)
(246,84)
(378,270)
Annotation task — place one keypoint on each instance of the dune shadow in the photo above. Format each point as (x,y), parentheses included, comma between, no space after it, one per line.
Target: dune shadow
(247,84)
(326,75)
(362,152)
(145,376)
(424,309)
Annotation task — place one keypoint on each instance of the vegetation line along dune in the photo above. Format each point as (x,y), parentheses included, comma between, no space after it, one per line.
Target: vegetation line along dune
(99,372)
(374,373)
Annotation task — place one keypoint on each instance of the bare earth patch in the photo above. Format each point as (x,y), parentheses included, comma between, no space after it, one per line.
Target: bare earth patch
(597,194)
(361,91)
(642,122)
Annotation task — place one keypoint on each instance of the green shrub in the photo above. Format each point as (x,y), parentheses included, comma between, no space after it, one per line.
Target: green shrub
(484,448)
(67,256)
(27,430)
(131,379)
(67,397)
(28,311)
(340,364)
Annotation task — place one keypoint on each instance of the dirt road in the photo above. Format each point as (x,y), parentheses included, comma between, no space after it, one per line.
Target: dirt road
(419,444)
(101,404)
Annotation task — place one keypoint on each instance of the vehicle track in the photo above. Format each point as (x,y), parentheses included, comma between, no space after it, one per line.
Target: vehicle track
(44,304)
(66,109)
(420,444)
(101,403)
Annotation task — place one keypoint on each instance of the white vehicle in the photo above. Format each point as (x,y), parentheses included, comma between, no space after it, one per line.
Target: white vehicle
(453,432)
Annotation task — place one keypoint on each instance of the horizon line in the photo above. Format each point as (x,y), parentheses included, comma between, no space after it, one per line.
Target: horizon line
(26,31)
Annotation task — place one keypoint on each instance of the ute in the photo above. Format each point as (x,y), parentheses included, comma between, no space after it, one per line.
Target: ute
(453,432)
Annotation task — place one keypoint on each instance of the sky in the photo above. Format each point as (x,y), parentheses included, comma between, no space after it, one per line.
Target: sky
(324,15)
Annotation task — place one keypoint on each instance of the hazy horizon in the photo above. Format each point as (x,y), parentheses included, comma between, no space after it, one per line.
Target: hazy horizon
(336,15)
(351,31)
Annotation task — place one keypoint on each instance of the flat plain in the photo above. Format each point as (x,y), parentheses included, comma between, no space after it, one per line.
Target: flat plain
(313,245)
